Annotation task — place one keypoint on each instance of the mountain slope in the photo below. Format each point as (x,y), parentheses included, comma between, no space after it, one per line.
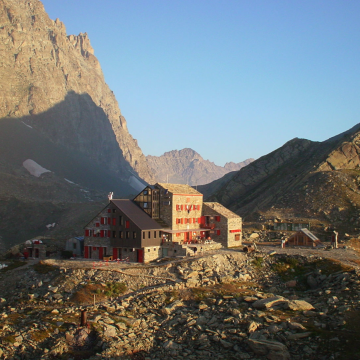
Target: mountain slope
(302,179)
(186,166)
(56,81)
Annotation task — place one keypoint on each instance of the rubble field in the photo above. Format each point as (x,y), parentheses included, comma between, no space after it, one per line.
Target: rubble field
(227,305)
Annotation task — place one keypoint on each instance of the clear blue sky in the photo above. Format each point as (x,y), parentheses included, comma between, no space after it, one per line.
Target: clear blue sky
(229,79)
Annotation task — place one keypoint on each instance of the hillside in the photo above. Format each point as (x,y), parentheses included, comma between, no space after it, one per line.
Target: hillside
(302,179)
(186,166)
(54,83)
(57,114)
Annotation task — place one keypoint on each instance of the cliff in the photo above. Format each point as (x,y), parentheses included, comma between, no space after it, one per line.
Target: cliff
(55,84)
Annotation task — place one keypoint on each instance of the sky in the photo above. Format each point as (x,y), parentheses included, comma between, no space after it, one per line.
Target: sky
(231,79)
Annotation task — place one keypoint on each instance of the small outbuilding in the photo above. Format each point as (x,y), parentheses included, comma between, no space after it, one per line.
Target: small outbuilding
(75,245)
(303,237)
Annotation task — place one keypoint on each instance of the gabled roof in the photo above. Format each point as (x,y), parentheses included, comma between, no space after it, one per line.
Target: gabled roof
(177,189)
(222,210)
(136,214)
(308,233)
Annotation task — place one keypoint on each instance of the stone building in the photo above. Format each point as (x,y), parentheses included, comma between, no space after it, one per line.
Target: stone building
(224,225)
(162,220)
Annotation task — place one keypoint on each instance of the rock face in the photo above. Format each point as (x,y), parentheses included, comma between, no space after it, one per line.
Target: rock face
(186,166)
(54,83)
(312,180)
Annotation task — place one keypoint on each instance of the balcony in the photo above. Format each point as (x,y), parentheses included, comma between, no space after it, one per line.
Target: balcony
(207,226)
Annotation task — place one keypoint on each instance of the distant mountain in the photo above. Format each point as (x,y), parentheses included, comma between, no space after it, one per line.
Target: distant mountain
(186,166)
(302,179)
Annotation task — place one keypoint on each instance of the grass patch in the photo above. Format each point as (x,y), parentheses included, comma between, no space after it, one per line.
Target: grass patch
(13,265)
(9,339)
(42,268)
(290,269)
(40,335)
(216,291)
(258,262)
(85,295)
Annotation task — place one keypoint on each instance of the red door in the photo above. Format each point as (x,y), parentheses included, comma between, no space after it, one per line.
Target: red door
(101,253)
(86,252)
(140,255)
(186,237)
(115,253)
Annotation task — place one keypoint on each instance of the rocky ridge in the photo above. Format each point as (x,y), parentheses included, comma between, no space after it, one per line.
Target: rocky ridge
(186,166)
(302,179)
(226,305)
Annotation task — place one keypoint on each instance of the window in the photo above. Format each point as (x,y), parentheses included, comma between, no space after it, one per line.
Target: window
(178,221)
(134,234)
(148,250)
(146,205)
(149,235)
(154,234)
(237,237)
(109,210)
(154,249)
(121,234)
(127,224)
(144,235)
(97,224)
(114,210)
(120,220)
(128,234)
(125,250)
(145,192)
(114,234)
(74,246)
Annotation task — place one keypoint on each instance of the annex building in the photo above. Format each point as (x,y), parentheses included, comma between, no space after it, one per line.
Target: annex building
(162,220)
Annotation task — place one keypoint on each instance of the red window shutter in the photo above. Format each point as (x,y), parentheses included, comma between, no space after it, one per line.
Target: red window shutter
(114,221)
(97,224)
(194,220)
(87,232)
(182,220)
(202,220)
(101,252)
(103,220)
(101,233)
(115,253)
(86,252)
(217,232)
(109,210)
(94,248)
(127,224)
(109,220)
(217,218)
(182,207)
(190,220)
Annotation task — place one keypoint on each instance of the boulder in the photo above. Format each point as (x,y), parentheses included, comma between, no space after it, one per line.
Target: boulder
(268,303)
(273,350)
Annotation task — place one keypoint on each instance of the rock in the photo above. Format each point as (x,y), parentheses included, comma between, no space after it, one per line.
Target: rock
(253,326)
(295,326)
(297,305)
(110,331)
(268,303)
(299,336)
(291,283)
(273,350)
(171,307)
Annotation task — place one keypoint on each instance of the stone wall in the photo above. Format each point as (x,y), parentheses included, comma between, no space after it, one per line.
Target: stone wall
(152,253)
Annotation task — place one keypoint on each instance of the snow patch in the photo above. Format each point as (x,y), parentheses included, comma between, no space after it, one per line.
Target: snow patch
(27,125)
(71,182)
(34,168)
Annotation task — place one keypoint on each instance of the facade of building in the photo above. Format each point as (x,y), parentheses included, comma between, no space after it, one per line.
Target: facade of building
(75,245)
(162,220)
